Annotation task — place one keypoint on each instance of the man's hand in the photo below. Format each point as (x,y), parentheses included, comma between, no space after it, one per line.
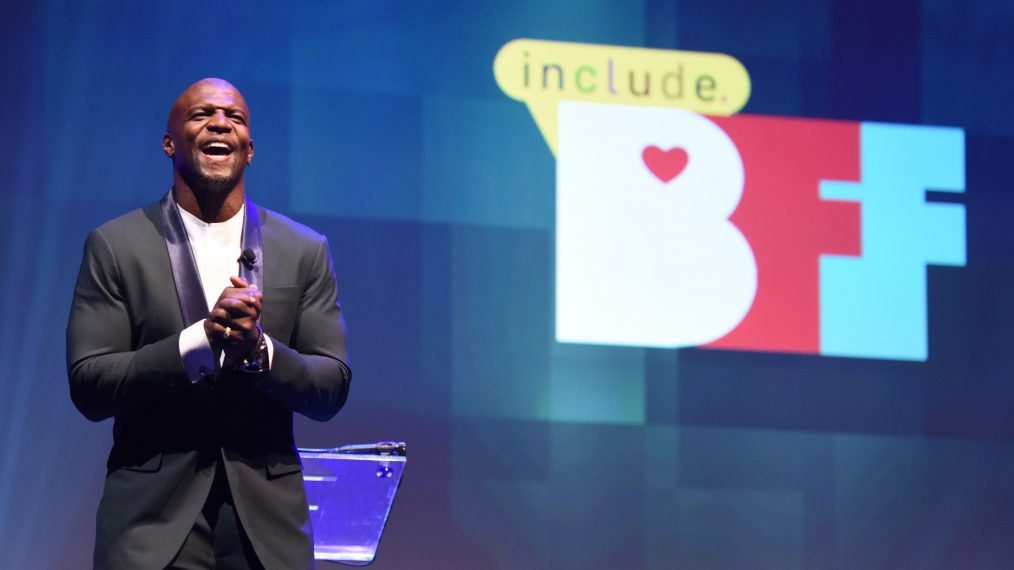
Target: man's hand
(233,323)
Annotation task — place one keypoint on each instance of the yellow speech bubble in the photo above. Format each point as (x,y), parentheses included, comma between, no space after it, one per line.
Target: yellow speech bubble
(543,73)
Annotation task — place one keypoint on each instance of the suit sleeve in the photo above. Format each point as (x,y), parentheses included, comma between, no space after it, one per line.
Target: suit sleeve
(107,377)
(312,375)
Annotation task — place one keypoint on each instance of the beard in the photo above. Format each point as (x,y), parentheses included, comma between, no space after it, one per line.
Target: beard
(199,178)
(217,183)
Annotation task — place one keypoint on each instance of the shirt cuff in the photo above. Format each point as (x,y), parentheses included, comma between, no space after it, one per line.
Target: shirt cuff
(196,352)
(271,349)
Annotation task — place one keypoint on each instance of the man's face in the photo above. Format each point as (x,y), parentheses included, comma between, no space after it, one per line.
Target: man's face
(208,136)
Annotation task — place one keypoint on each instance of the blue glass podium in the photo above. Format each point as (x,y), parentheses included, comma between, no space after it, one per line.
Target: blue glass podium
(350,490)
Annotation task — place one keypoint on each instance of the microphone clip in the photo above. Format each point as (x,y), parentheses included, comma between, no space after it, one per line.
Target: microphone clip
(248,258)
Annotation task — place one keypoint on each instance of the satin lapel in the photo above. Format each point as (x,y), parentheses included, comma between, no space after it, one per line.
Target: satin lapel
(252,273)
(188,282)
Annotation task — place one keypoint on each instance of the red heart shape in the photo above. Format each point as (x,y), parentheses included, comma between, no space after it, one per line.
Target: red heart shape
(665,164)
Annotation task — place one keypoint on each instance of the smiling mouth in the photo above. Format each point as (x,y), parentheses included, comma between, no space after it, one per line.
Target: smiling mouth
(217,150)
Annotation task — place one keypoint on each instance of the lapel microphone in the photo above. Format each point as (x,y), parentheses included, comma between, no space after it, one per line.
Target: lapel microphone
(248,258)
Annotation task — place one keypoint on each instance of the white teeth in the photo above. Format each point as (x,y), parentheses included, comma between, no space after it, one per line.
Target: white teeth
(217,148)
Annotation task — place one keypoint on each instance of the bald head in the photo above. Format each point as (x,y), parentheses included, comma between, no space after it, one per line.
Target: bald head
(208,138)
(201,86)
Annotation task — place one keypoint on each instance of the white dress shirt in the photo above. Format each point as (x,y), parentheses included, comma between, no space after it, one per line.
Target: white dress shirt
(216,248)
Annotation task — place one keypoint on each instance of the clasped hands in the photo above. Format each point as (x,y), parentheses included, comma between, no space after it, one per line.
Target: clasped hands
(233,324)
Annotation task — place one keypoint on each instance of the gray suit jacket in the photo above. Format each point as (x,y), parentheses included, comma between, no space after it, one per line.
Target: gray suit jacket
(169,435)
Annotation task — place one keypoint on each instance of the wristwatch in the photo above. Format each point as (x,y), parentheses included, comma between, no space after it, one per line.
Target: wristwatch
(257,361)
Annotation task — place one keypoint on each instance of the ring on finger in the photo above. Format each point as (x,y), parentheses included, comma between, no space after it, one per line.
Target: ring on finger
(227,333)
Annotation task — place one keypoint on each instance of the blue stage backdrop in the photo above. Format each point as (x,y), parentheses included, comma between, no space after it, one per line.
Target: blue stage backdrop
(629,308)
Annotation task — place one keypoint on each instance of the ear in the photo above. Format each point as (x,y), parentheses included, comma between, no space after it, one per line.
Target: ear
(249,153)
(168,146)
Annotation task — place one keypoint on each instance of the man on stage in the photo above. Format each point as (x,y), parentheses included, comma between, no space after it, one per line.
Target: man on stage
(200,323)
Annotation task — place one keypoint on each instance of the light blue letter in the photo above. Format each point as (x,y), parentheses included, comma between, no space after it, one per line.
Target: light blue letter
(875,305)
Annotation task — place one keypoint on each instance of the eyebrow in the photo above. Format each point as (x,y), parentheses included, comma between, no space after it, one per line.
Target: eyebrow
(203,106)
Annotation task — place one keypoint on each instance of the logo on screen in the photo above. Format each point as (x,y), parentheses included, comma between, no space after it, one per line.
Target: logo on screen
(679,227)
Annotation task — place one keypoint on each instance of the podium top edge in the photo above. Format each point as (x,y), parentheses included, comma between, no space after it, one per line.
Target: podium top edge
(385,449)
